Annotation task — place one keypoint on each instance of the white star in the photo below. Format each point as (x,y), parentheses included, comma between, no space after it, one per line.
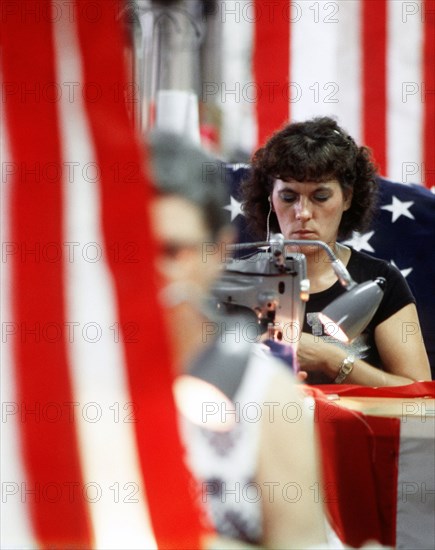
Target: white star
(360,241)
(399,208)
(235,207)
(237,166)
(404,272)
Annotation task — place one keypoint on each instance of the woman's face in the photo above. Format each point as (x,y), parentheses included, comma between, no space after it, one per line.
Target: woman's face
(309,210)
(188,254)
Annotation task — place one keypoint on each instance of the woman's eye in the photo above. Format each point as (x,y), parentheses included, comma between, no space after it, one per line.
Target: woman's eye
(321,198)
(288,198)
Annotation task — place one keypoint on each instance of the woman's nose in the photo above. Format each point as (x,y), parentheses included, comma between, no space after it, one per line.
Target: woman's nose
(303,210)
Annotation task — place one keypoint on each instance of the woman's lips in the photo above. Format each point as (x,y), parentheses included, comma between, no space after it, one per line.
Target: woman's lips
(304,234)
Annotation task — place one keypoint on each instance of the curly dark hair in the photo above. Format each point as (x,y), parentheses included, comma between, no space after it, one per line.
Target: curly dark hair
(311,151)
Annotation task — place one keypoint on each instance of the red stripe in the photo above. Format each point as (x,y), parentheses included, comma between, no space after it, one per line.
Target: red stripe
(125,193)
(374,46)
(428,8)
(271,60)
(58,511)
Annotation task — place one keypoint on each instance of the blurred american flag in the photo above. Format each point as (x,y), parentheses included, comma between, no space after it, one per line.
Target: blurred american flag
(91,456)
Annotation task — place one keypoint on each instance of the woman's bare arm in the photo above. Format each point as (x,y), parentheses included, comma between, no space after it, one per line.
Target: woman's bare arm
(289,473)
(400,346)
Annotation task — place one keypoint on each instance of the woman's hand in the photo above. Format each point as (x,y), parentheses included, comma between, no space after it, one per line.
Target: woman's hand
(315,355)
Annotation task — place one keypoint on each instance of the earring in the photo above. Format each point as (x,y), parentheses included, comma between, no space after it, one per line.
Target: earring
(268,218)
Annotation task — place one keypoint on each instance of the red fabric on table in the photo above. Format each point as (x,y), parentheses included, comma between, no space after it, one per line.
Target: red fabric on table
(360,470)
(417,389)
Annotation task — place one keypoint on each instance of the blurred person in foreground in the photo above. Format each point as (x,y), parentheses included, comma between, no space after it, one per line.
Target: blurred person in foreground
(256,464)
(311,181)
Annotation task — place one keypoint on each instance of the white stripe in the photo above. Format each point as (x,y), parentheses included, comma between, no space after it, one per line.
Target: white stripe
(107,446)
(349,60)
(325,62)
(236,92)
(313,62)
(16,530)
(404,92)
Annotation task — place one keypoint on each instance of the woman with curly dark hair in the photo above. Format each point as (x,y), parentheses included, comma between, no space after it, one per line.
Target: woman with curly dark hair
(311,181)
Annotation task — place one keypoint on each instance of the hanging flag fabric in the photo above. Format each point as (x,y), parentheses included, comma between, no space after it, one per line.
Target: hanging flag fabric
(370,64)
(91,456)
